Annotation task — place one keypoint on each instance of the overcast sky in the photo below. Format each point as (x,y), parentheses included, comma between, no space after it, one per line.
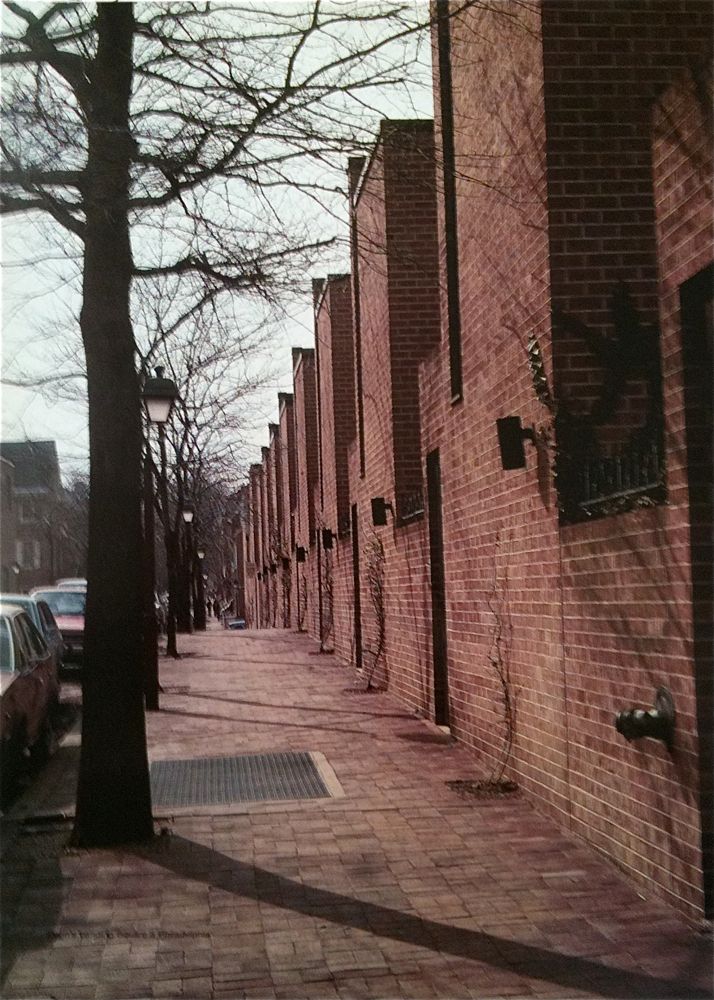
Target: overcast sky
(40,300)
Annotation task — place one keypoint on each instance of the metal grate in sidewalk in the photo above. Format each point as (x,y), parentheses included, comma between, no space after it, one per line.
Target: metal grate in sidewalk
(209,781)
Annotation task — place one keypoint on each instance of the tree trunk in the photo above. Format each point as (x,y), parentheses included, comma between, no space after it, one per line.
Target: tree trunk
(151,653)
(183,619)
(171,571)
(113,794)
(200,601)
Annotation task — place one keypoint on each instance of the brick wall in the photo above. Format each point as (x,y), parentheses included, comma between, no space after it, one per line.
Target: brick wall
(577,191)
(256,475)
(395,256)
(267,530)
(500,535)
(556,221)
(286,466)
(335,367)
(623,575)
(306,477)
(245,558)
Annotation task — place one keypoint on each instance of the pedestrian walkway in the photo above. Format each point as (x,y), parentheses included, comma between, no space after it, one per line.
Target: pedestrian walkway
(389,885)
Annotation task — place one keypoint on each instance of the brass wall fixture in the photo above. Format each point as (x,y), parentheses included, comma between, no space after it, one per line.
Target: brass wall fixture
(657,722)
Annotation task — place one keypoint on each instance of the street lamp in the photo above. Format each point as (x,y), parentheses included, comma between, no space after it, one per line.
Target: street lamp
(187,594)
(199,612)
(158,395)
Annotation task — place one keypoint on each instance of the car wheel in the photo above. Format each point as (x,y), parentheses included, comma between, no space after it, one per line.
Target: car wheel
(13,767)
(45,745)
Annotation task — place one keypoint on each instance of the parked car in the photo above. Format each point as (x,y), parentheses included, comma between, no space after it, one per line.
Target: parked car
(29,694)
(72,583)
(68,608)
(44,621)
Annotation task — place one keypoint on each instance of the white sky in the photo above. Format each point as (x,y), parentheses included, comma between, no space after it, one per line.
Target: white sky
(38,302)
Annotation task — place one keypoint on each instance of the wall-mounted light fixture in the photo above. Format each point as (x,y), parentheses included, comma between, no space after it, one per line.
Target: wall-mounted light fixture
(511,436)
(657,722)
(300,554)
(380,506)
(326,537)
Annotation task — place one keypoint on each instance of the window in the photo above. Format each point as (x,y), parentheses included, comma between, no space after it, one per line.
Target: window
(7,496)
(28,553)
(450,210)
(47,617)
(63,602)
(5,647)
(33,640)
(27,511)
(22,655)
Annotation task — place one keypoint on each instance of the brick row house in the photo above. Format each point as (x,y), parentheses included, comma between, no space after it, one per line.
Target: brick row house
(490,489)
(38,545)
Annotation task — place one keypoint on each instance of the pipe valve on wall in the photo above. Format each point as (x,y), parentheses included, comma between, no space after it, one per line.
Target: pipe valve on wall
(657,722)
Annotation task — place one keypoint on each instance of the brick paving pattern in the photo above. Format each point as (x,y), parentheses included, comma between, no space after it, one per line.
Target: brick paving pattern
(398,888)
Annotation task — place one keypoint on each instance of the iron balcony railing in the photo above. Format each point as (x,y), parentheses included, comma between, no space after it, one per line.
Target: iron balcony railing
(592,486)
(410,504)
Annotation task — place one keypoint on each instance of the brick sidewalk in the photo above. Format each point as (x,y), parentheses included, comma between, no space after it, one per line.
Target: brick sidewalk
(396,888)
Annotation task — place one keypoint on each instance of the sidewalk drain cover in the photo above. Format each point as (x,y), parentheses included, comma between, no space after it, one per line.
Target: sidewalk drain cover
(209,781)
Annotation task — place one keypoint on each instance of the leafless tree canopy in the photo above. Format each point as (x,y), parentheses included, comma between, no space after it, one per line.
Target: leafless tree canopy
(234,108)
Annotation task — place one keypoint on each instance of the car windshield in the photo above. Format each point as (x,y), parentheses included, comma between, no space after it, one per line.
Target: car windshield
(5,647)
(63,602)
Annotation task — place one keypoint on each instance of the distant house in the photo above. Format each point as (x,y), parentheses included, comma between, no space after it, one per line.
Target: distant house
(31,505)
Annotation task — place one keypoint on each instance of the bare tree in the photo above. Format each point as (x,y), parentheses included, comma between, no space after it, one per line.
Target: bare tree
(141,134)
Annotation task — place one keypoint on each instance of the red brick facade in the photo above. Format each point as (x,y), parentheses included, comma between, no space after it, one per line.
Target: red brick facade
(336,408)
(542,254)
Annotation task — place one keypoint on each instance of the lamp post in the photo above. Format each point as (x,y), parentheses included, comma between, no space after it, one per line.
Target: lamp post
(158,394)
(184,622)
(199,608)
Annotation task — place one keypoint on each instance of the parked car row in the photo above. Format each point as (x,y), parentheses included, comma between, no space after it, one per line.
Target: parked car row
(40,633)
(29,693)
(68,608)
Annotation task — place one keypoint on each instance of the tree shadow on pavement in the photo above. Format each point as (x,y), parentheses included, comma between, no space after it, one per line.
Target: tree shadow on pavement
(195,861)
(307,708)
(277,722)
(33,888)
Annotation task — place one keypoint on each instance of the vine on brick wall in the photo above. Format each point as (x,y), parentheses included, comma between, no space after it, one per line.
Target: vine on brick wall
(302,601)
(327,621)
(374,573)
(287,593)
(499,657)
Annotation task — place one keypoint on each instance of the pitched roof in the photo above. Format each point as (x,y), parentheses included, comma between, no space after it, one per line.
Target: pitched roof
(36,464)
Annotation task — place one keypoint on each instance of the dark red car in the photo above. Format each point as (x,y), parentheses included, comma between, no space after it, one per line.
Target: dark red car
(68,608)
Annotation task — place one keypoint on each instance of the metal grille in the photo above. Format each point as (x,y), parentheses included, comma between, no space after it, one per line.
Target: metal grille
(204,781)
(605,485)
(410,504)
